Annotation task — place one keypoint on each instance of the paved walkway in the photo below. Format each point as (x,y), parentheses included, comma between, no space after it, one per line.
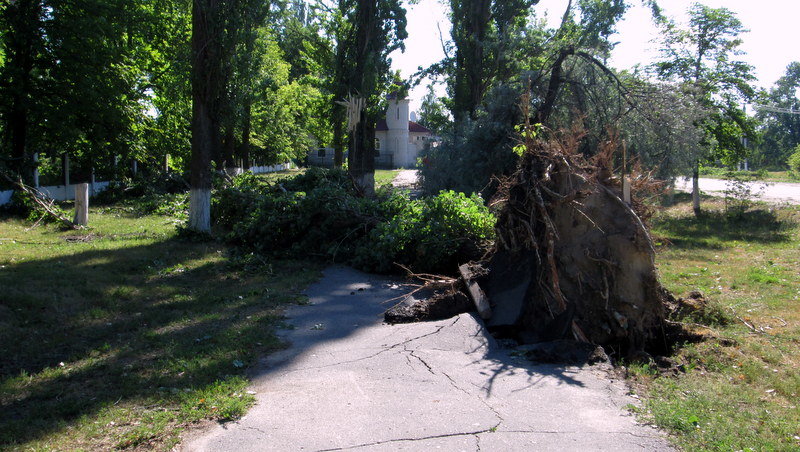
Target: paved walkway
(408,180)
(763,191)
(351,382)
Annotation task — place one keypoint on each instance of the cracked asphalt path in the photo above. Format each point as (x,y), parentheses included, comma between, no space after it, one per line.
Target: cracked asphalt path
(350,382)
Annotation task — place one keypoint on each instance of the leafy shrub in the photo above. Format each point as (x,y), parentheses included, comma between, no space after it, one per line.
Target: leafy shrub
(794,162)
(740,189)
(431,234)
(318,214)
(142,185)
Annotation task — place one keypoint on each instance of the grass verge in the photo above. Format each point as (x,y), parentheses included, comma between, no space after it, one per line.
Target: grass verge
(385,177)
(121,335)
(740,387)
(765,176)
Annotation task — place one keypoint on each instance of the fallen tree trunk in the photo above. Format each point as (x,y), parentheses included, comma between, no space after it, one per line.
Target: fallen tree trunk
(572,259)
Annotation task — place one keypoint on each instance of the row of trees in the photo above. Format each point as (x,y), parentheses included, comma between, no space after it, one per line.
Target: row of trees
(225,82)
(107,82)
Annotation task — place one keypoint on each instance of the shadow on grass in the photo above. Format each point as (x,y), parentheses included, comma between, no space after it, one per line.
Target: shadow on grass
(712,229)
(157,323)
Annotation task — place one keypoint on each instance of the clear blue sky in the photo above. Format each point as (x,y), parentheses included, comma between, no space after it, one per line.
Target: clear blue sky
(770,45)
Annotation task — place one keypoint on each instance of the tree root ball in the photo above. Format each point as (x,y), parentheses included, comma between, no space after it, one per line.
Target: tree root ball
(589,255)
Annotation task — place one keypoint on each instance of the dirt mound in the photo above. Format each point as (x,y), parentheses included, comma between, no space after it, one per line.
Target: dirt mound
(428,306)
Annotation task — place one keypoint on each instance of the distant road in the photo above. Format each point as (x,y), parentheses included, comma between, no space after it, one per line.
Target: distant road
(765,191)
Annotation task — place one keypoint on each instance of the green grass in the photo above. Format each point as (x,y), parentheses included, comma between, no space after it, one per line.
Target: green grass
(741,390)
(766,176)
(279,175)
(385,177)
(121,335)
(382,177)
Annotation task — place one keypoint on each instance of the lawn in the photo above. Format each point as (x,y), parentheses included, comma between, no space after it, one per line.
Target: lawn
(122,335)
(740,387)
(385,177)
(766,176)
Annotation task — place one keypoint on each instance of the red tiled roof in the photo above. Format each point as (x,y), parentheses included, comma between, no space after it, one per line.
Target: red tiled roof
(412,127)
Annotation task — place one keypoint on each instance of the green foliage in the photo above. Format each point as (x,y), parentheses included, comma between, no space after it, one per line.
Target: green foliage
(740,189)
(319,214)
(781,129)
(794,162)
(433,113)
(468,157)
(702,55)
(428,234)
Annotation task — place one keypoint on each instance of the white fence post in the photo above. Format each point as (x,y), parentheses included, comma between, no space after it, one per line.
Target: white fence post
(81,204)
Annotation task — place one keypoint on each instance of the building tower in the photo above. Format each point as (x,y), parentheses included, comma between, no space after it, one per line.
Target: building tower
(397,136)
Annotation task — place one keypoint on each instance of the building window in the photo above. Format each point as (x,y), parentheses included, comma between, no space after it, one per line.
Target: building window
(398,112)
(377,147)
(321,152)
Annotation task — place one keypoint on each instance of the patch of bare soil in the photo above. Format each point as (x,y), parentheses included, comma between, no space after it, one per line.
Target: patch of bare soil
(428,306)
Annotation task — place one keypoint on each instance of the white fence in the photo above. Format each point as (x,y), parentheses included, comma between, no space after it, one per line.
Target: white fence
(65,193)
(57,192)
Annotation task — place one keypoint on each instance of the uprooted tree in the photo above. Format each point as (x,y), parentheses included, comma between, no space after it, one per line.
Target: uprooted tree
(572,259)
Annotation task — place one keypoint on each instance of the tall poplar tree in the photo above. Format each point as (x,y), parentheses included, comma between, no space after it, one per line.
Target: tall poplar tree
(703,55)
(376,28)
(207,91)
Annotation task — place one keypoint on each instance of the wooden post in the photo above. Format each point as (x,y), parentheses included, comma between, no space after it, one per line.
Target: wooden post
(81,204)
(92,182)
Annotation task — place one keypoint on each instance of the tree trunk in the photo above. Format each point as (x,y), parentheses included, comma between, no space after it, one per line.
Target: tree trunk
(206,79)
(554,85)
(361,160)
(696,189)
(24,17)
(244,147)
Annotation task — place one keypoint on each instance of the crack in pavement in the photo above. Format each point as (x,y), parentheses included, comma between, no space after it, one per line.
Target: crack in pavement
(423,438)
(456,386)
(424,363)
(392,347)
(256,429)
(482,400)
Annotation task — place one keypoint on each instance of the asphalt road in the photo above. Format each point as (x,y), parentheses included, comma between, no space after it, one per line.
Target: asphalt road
(351,382)
(779,192)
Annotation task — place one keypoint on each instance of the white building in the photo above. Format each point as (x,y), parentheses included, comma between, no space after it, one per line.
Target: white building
(398,140)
